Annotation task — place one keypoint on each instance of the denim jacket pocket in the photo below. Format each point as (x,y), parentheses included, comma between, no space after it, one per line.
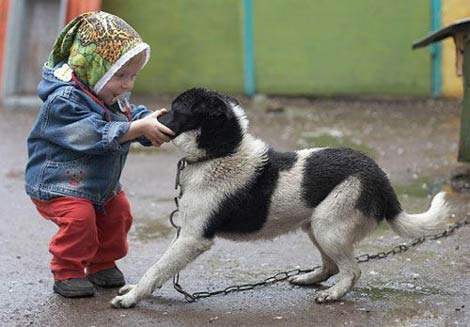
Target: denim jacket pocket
(72,178)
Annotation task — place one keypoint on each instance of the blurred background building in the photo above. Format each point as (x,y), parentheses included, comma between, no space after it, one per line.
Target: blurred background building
(285,47)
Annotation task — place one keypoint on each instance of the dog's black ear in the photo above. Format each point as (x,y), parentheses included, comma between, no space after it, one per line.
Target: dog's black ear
(212,108)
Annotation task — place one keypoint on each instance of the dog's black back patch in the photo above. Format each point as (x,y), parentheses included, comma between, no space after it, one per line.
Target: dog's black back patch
(246,211)
(327,168)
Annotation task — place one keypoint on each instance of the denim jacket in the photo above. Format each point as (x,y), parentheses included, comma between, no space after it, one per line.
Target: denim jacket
(73,150)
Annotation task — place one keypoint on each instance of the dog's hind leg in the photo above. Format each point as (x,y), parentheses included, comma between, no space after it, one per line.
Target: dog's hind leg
(340,250)
(337,240)
(328,269)
(337,225)
(183,251)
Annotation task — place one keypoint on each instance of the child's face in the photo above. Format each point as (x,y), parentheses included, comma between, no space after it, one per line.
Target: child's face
(122,81)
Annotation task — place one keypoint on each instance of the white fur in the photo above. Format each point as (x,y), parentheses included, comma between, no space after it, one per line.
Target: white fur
(416,225)
(287,211)
(241,115)
(187,144)
(336,244)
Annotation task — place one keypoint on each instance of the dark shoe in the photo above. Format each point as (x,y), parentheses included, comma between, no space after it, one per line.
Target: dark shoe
(107,278)
(74,287)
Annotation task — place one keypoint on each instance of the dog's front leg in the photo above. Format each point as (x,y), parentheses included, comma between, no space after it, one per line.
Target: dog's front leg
(184,250)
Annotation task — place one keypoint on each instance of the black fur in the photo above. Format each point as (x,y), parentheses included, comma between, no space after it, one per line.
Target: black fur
(180,118)
(327,168)
(220,131)
(246,210)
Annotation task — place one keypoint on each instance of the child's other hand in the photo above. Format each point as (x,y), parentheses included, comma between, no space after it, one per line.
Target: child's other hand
(153,130)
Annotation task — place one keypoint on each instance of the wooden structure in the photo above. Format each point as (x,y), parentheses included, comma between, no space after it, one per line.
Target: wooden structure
(28,29)
(460,32)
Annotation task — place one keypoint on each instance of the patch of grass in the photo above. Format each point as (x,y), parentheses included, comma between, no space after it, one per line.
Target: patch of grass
(138,148)
(420,187)
(379,293)
(148,229)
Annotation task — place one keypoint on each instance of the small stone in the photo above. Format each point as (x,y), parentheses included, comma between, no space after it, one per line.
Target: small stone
(278,318)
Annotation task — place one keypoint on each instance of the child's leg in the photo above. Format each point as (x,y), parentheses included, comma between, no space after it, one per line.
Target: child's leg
(112,233)
(76,242)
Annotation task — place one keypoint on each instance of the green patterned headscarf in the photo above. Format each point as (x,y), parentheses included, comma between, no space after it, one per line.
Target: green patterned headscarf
(95,45)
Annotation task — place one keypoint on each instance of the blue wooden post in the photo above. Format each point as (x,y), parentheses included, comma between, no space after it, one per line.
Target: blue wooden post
(436,49)
(249,49)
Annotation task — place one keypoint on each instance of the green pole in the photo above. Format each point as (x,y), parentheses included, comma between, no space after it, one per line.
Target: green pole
(464,146)
(436,49)
(249,48)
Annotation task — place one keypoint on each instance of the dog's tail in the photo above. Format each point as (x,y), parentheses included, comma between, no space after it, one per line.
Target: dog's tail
(417,225)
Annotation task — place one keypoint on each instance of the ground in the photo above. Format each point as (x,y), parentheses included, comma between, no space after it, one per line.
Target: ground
(414,140)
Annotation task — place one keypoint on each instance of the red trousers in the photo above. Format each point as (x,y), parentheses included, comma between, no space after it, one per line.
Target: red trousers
(88,240)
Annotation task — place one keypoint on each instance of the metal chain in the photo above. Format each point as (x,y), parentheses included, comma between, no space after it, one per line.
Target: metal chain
(281,276)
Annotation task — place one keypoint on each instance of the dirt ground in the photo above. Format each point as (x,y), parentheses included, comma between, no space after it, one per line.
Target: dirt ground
(414,140)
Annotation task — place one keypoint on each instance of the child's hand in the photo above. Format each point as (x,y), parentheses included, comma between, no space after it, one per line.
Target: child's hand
(153,130)
(149,127)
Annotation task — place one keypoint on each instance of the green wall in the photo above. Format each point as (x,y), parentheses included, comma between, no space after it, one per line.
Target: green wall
(318,47)
(193,43)
(341,47)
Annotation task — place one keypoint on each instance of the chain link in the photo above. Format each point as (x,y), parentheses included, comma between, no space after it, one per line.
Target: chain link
(283,275)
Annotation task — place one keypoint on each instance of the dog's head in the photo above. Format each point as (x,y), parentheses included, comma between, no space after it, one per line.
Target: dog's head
(206,123)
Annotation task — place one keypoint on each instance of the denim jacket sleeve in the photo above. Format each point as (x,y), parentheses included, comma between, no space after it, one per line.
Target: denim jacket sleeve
(139,112)
(74,126)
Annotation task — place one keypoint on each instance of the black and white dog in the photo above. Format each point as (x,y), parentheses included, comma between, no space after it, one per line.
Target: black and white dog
(237,187)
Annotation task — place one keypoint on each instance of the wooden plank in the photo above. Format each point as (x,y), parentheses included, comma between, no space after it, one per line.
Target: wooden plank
(457,27)
(77,7)
(4,10)
(464,145)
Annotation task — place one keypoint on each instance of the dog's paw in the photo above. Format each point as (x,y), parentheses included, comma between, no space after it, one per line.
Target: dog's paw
(311,278)
(306,279)
(328,295)
(123,301)
(299,280)
(126,289)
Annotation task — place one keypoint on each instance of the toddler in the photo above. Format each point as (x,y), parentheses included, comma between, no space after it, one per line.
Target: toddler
(78,146)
